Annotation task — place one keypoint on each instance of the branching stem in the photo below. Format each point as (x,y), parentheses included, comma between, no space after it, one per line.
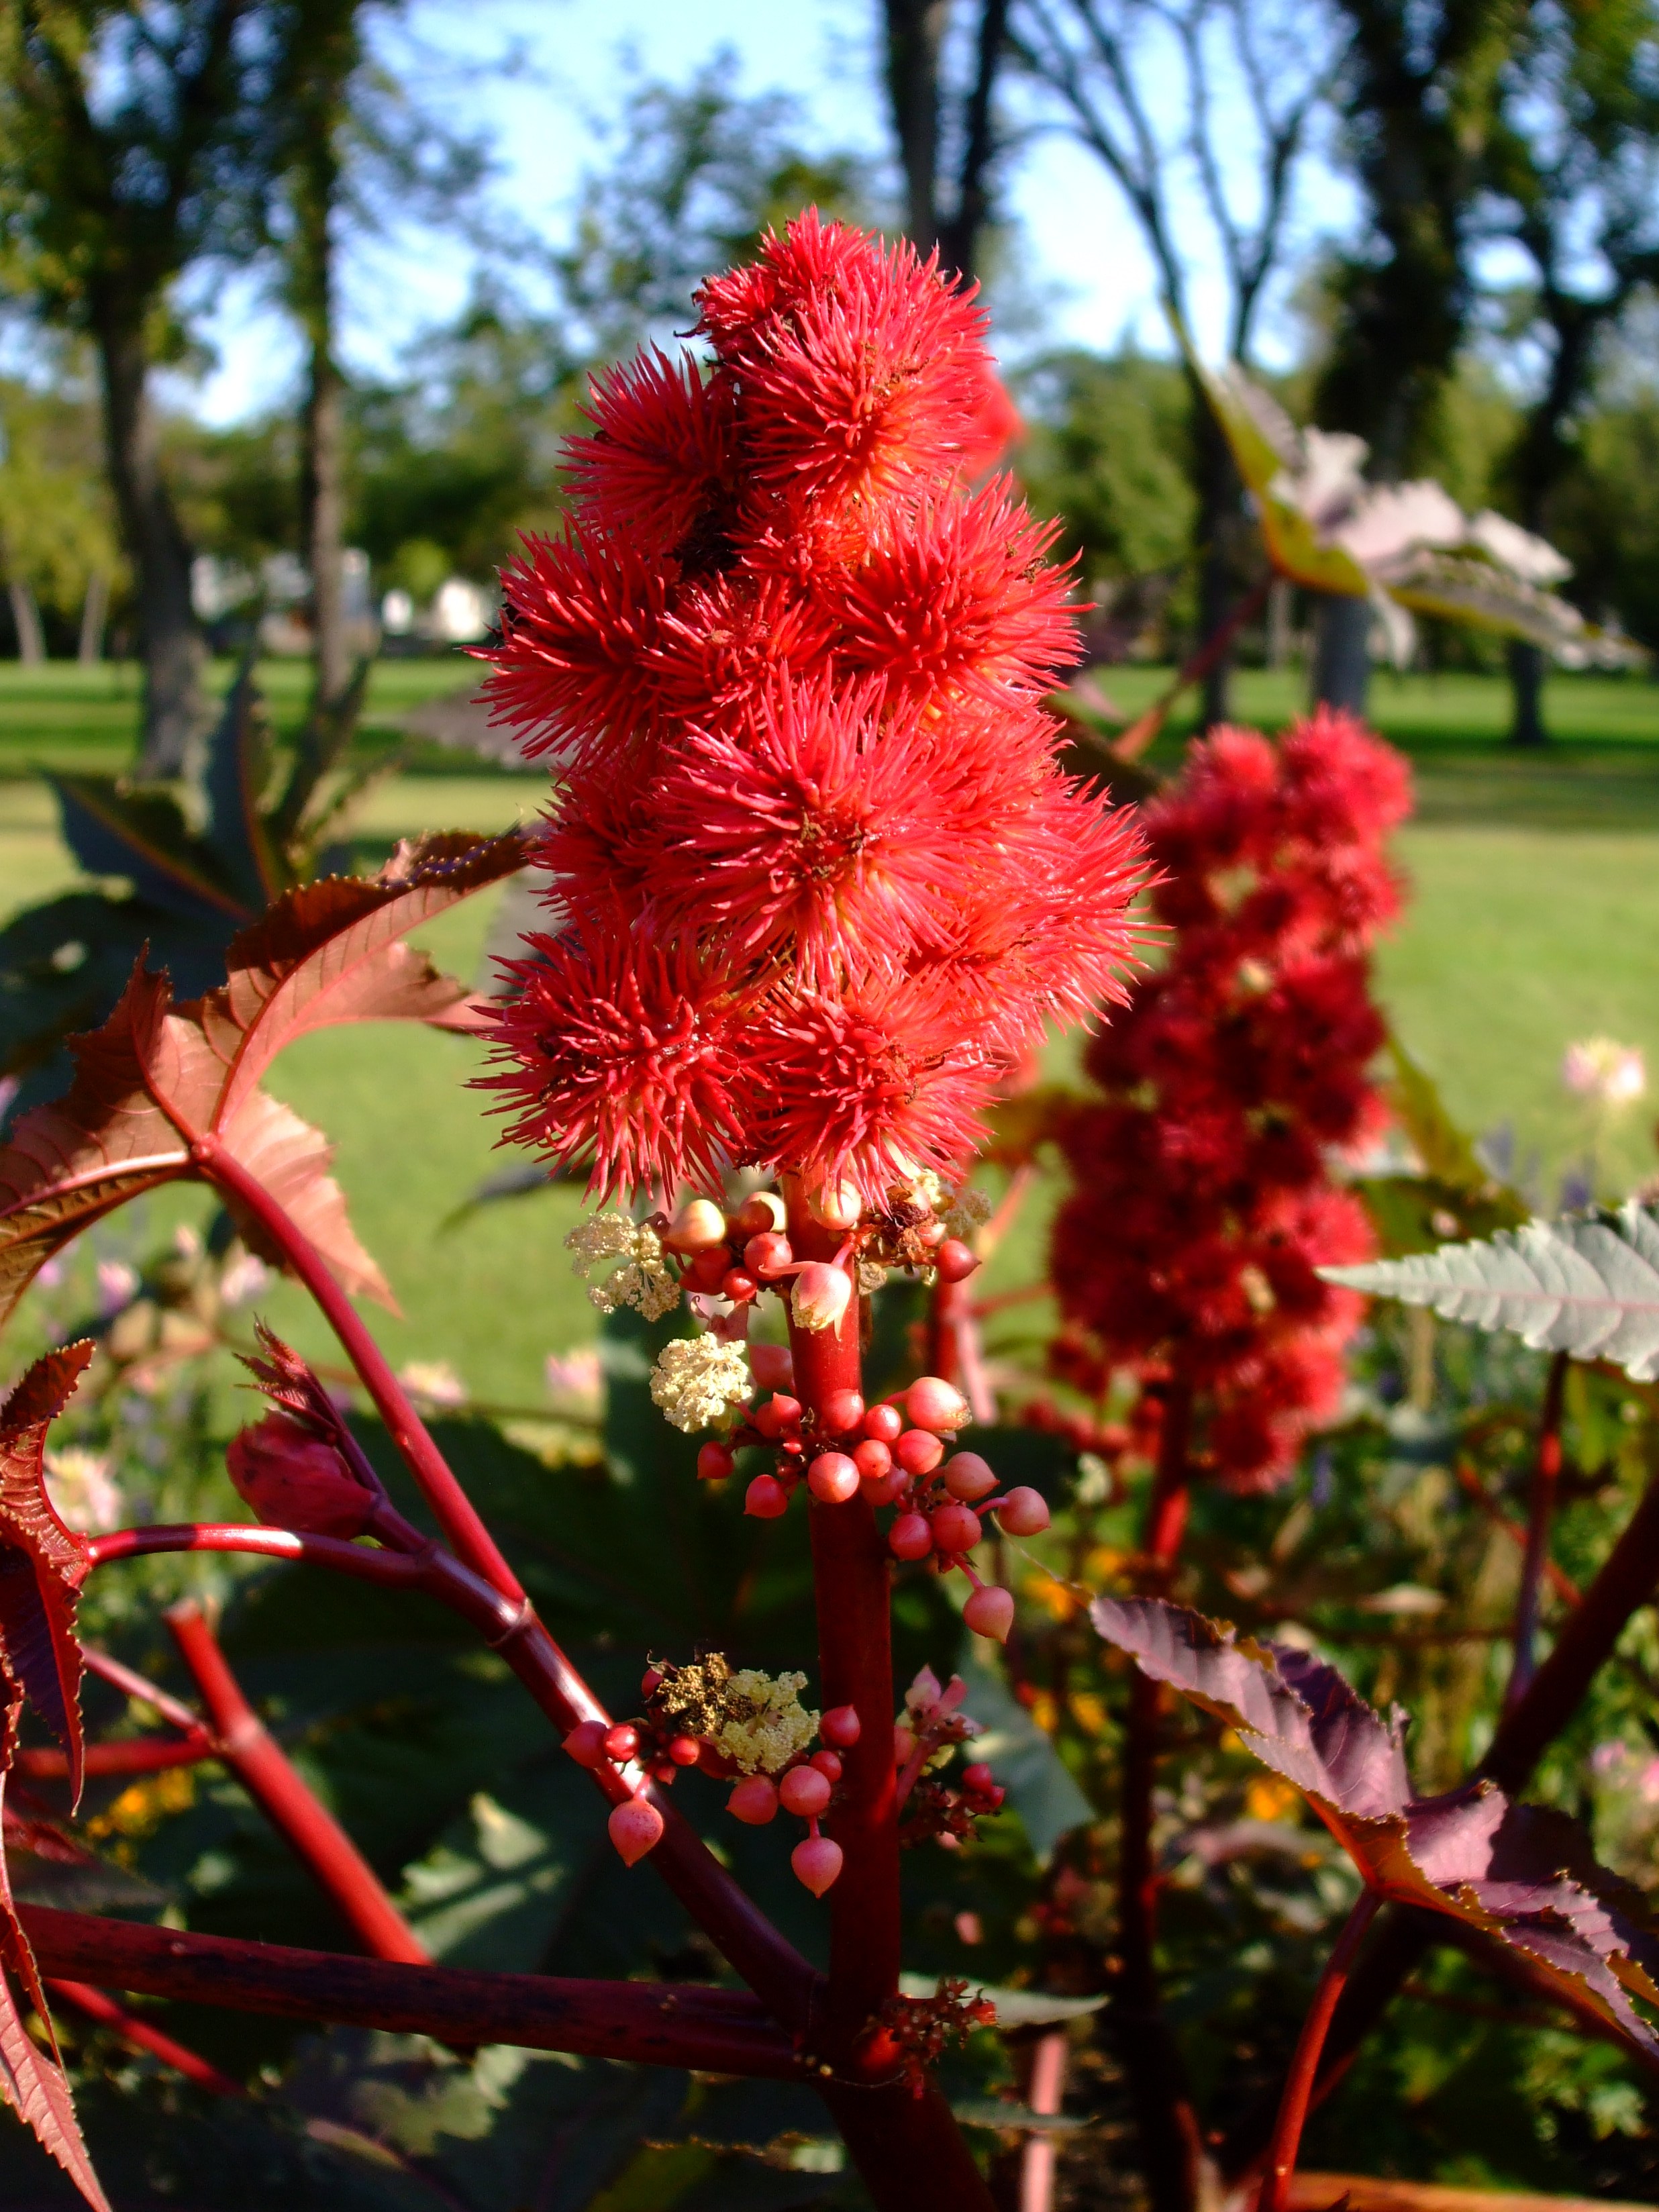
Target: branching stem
(1304,2065)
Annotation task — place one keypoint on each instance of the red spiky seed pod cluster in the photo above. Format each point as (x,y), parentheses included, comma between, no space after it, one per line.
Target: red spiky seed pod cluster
(819,878)
(1204,1200)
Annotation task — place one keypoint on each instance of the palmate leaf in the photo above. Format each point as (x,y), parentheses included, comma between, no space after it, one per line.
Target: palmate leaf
(1520,1873)
(42,1563)
(1587,1285)
(156,1078)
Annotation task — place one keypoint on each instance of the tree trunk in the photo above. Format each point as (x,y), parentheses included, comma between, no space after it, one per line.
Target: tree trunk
(1279,623)
(323,497)
(1217,488)
(1342,651)
(95,608)
(170,642)
(1527,689)
(26,620)
(916,30)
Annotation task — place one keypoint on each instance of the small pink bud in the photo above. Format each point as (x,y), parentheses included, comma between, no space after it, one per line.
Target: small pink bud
(872,1459)
(843,1412)
(835,1205)
(828,1763)
(714,1463)
(622,1742)
(955,1261)
(1024,1513)
(695,1228)
(293,1478)
(822,1296)
(586,1743)
(910,1537)
(738,1286)
(686,1751)
(883,1489)
(754,1801)
(762,1210)
(805,1792)
(956,1527)
(967,1476)
(833,1477)
(635,1826)
(817,1862)
(990,1612)
(918,1451)
(884,1422)
(710,1268)
(772,1366)
(840,1726)
(778,1413)
(765,1499)
(933,1404)
(977,1777)
(767,1255)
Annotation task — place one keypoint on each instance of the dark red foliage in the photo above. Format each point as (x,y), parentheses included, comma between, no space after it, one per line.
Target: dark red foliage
(1204,1203)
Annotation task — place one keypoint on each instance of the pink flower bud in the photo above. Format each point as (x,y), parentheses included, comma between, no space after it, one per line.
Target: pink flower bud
(883,1489)
(918,1451)
(956,1527)
(761,1212)
(772,1366)
(872,1459)
(835,1205)
(843,1412)
(767,1255)
(622,1742)
(686,1751)
(955,1261)
(695,1228)
(714,1463)
(754,1801)
(817,1862)
(990,1612)
(635,1826)
(840,1726)
(828,1763)
(910,1537)
(967,1476)
(1024,1513)
(765,1499)
(933,1404)
(586,1743)
(822,1296)
(293,1478)
(805,1792)
(977,1777)
(778,1413)
(832,1477)
(884,1422)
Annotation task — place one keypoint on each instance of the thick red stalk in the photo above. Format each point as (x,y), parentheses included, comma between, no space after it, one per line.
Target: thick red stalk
(653,2023)
(852,1584)
(142,2036)
(455,1512)
(1304,2064)
(773,1969)
(282,1794)
(1170,2142)
(1546,1468)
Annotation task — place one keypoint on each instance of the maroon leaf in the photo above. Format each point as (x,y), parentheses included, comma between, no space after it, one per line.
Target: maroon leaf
(31,2080)
(156,1078)
(1523,1875)
(42,1563)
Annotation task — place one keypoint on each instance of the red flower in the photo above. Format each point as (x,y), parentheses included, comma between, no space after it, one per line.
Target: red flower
(792,667)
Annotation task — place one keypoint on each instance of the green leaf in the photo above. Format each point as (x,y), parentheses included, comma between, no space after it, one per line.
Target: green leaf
(1038,1781)
(142,835)
(236,771)
(1587,1285)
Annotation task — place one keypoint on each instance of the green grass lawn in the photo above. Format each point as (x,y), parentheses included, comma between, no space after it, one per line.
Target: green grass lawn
(1535,919)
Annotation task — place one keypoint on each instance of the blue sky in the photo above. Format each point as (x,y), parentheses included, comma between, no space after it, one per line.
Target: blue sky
(1082,268)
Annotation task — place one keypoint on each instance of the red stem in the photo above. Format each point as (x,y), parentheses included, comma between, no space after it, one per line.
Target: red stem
(142,2036)
(653,2023)
(1561,1583)
(1304,2065)
(851,1583)
(1546,1468)
(455,1512)
(771,1966)
(1044,2092)
(1133,741)
(1169,2128)
(140,1755)
(282,1794)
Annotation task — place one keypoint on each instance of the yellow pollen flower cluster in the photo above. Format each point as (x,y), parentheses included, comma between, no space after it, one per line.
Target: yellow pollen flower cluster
(645,1279)
(697,1378)
(766,1723)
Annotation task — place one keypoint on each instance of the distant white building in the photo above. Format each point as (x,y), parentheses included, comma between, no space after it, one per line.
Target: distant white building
(459,613)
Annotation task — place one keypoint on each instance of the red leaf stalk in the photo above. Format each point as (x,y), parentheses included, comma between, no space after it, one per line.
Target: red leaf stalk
(141,2035)
(282,1794)
(1143,731)
(771,1966)
(1170,2141)
(1545,1472)
(1304,2065)
(852,1582)
(142,1755)
(1044,2093)
(654,2024)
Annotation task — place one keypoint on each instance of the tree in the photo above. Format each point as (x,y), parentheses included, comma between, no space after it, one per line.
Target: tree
(1106,63)
(57,539)
(939,124)
(1575,162)
(123,135)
